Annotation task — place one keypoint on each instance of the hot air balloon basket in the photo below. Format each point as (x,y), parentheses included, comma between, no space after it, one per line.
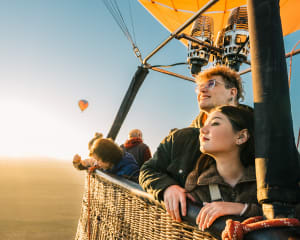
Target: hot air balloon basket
(120,209)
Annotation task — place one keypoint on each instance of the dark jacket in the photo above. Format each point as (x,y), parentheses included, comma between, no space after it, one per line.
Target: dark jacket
(198,122)
(243,192)
(138,149)
(173,160)
(126,167)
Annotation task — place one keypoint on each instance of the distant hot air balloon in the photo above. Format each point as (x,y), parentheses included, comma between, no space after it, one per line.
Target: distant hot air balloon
(83,104)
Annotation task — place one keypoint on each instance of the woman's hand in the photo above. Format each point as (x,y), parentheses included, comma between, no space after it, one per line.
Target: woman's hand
(211,211)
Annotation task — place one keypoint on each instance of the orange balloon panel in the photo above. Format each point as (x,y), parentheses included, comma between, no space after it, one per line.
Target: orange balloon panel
(173,13)
(83,104)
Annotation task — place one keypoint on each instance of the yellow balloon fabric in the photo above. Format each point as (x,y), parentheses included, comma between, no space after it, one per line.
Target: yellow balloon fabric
(173,13)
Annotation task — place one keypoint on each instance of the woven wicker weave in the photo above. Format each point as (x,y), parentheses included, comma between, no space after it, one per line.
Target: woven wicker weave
(119,211)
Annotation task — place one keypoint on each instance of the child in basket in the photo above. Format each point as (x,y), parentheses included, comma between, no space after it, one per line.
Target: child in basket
(108,156)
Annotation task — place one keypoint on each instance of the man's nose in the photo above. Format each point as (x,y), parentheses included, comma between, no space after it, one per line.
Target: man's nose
(203,89)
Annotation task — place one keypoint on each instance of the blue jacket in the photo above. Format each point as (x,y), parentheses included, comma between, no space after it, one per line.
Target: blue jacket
(126,167)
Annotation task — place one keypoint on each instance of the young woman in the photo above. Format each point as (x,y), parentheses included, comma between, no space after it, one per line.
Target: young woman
(224,176)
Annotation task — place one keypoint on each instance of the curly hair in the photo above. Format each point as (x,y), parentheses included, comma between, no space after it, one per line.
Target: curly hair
(231,78)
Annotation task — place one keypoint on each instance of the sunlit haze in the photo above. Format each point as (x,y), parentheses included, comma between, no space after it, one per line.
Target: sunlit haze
(54,53)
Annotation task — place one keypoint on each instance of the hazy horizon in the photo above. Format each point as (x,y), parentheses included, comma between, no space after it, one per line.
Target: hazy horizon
(42,199)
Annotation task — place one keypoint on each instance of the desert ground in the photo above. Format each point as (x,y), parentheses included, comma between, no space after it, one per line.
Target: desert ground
(40,199)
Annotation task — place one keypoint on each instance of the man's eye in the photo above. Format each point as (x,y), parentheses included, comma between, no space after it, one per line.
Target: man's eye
(210,84)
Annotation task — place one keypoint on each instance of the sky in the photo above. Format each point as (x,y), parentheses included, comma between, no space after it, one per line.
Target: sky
(54,53)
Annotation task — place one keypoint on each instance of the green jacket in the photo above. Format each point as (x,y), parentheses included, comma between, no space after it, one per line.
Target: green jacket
(199,120)
(173,160)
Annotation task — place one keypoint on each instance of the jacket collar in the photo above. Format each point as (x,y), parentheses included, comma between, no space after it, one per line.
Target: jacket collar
(211,175)
(203,117)
(132,142)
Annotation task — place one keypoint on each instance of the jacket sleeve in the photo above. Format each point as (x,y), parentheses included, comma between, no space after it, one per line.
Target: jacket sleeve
(254,209)
(126,167)
(147,154)
(298,211)
(198,121)
(129,170)
(154,177)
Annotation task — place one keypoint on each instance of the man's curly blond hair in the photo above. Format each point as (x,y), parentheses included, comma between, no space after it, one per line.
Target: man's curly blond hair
(231,79)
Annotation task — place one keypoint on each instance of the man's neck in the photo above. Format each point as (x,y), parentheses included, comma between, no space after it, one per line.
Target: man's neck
(208,110)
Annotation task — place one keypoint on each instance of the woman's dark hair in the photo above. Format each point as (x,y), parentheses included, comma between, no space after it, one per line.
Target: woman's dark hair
(240,117)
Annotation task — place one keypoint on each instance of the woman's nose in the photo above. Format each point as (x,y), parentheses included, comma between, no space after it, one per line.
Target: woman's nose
(204,129)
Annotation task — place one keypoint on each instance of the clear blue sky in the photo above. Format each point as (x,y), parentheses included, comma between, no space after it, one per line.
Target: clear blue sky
(53,53)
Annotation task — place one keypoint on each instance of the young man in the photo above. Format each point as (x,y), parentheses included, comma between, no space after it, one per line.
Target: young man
(165,174)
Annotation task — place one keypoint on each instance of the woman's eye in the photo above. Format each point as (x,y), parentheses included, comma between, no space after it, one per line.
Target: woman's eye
(215,124)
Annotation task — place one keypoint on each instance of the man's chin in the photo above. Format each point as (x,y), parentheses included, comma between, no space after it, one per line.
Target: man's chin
(205,107)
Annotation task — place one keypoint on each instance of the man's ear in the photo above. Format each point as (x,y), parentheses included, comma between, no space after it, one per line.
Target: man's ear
(242,137)
(233,93)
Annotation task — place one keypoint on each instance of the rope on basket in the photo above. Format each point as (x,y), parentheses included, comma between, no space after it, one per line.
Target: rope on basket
(235,230)
(90,171)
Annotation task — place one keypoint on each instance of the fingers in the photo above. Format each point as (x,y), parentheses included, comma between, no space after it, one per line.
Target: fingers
(167,207)
(211,211)
(172,209)
(201,217)
(182,198)
(203,209)
(209,218)
(207,215)
(189,196)
(173,196)
(212,219)
(176,212)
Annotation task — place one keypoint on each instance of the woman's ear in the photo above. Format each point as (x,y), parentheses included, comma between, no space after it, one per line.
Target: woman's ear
(242,136)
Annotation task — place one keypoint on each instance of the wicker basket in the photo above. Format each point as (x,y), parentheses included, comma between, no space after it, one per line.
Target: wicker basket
(120,209)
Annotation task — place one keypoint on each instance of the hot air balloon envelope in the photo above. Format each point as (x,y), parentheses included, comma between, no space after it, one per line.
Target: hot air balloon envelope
(83,104)
(172,14)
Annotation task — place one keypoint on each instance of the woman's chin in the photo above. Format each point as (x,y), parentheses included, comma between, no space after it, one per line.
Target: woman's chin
(207,150)
(203,149)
